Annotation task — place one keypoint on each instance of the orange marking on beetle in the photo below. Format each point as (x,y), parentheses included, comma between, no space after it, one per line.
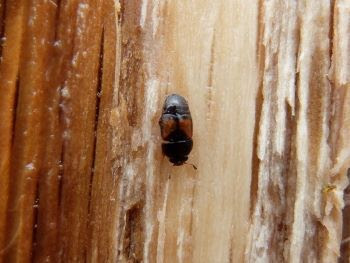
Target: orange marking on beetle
(168,126)
(185,125)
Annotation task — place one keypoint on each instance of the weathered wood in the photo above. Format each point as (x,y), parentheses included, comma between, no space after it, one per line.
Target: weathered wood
(10,58)
(82,175)
(301,167)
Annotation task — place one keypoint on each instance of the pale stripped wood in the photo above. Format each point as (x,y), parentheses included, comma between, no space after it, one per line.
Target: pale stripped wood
(267,84)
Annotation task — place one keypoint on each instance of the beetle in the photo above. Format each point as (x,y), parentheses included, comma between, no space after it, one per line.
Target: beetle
(176,129)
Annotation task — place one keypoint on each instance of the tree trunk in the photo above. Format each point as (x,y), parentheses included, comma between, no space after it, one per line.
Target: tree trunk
(82,174)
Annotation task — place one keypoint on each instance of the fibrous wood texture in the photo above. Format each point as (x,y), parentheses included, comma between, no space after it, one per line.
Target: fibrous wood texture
(82,176)
(302,154)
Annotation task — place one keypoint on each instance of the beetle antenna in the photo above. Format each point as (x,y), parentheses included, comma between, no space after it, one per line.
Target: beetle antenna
(194,167)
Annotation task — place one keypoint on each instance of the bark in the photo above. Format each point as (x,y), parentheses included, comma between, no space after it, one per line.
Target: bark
(82,175)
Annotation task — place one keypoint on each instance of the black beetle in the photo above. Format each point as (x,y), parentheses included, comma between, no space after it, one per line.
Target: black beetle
(176,129)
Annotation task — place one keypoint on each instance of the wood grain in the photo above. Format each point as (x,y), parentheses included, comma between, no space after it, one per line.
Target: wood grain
(82,175)
(10,59)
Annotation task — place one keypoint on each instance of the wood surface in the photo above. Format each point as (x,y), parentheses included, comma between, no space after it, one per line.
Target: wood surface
(82,175)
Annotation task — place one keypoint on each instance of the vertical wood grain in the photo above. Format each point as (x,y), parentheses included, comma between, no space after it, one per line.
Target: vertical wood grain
(82,175)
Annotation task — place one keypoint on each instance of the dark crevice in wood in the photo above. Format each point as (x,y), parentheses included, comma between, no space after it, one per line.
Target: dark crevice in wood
(36,205)
(97,114)
(96,124)
(132,247)
(14,113)
(57,18)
